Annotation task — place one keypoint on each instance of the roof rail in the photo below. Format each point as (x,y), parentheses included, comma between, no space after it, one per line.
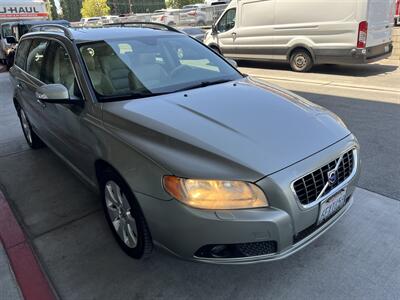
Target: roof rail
(53,28)
(142,24)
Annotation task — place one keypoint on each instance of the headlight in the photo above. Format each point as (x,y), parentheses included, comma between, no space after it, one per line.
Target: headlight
(215,194)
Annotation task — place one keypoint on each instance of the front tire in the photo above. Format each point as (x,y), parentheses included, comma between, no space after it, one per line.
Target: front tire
(301,61)
(31,137)
(125,217)
(216,50)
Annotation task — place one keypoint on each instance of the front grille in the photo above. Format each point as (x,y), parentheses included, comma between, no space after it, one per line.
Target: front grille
(237,250)
(257,248)
(310,186)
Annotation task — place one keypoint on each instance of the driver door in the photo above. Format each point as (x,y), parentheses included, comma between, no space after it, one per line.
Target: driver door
(226,32)
(69,131)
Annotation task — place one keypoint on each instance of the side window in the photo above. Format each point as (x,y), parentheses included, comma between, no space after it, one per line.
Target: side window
(227,22)
(22,53)
(36,58)
(58,69)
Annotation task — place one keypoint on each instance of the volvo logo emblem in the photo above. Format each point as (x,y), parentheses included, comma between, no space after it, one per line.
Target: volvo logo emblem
(332,177)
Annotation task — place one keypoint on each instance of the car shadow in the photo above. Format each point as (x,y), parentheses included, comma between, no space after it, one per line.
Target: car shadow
(331,69)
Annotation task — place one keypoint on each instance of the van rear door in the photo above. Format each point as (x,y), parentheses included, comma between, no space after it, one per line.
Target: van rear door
(380,22)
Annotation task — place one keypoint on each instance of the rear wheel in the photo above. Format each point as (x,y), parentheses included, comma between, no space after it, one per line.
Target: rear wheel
(31,137)
(125,217)
(301,61)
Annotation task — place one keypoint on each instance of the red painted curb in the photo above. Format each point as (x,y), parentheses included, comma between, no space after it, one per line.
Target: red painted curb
(30,277)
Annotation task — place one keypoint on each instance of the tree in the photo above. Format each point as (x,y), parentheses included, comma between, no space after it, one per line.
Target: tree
(180,3)
(94,8)
(71,9)
(53,10)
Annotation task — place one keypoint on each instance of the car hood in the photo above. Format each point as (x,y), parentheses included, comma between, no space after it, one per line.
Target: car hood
(244,130)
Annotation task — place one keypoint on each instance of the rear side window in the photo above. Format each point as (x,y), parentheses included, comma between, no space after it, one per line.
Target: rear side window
(36,57)
(22,53)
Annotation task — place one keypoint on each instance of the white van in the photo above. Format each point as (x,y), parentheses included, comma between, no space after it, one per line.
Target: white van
(305,32)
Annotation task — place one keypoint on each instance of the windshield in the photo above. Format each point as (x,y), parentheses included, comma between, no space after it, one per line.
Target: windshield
(145,66)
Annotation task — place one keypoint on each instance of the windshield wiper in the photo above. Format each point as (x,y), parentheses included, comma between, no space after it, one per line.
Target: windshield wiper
(129,96)
(203,84)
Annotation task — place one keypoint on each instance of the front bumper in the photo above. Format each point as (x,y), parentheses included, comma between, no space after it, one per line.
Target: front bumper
(353,56)
(183,231)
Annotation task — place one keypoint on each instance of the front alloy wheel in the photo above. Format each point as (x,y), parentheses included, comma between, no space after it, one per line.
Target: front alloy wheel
(120,214)
(125,216)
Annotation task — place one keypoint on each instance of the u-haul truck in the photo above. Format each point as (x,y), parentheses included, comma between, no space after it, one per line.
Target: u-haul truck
(11,11)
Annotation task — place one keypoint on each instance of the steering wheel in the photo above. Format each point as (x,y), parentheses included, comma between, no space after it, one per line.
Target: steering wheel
(179,69)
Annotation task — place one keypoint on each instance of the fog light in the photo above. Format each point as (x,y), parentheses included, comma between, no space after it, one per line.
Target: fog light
(219,251)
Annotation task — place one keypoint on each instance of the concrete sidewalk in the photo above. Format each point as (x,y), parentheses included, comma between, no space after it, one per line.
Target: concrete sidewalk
(9,289)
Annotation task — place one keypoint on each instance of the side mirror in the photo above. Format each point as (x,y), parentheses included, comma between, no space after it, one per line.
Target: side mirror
(232,62)
(11,40)
(55,93)
(214,30)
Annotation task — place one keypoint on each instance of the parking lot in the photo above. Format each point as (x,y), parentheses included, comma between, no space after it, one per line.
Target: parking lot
(357,259)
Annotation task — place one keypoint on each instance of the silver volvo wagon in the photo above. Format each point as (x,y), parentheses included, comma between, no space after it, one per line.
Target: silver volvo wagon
(187,153)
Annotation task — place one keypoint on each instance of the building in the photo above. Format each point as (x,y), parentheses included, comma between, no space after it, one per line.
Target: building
(135,6)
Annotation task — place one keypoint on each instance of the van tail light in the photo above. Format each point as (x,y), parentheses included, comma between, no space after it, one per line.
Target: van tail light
(192,13)
(362,35)
(162,19)
(398,8)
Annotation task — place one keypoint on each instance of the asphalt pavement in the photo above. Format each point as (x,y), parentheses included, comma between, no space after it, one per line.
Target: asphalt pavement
(357,259)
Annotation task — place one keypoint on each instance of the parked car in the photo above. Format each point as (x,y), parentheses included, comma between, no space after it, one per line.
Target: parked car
(197,33)
(109,19)
(397,13)
(187,152)
(94,21)
(216,2)
(11,32)
(353,32)
(168,17)
(194,15)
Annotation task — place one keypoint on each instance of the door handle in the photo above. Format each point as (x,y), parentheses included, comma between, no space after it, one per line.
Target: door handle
(234,35)
(19,86)
(41,103)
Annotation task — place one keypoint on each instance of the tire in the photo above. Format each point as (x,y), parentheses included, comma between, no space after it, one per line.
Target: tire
(124,216)
(216,50)
(31,137)
(301,61)
(201,23)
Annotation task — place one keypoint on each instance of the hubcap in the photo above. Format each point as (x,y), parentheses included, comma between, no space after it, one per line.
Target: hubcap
(25,127)
(301,61)
(120,214)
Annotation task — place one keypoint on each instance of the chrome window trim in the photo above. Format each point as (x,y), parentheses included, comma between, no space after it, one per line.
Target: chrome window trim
(321,198)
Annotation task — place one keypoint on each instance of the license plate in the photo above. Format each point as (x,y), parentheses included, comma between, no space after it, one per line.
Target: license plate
(386,49)
(330,206)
